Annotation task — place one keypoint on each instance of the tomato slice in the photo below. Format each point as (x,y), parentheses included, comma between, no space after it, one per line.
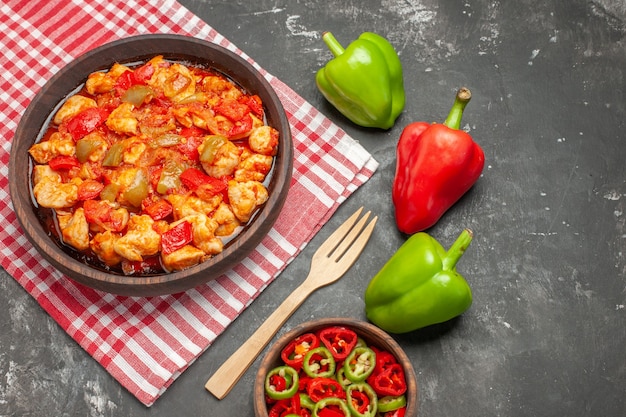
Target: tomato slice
(89,189)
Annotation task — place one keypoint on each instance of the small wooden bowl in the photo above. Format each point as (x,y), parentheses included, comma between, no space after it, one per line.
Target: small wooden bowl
(372,335)
(128,51)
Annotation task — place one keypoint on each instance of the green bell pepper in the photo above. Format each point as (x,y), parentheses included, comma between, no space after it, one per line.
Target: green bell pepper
(364,81)
(419,285)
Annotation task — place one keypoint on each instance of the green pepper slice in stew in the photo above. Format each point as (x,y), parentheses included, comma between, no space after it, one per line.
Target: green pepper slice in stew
(138,189)
(281,382)
(114,155)
(360,364)
(319,363)
(85,147)
(170,176)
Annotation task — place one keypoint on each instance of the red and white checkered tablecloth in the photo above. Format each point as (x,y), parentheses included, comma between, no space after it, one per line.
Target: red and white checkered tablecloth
(146,343)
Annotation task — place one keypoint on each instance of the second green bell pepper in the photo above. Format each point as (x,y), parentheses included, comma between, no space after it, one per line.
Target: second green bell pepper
(364,81)
(419,285)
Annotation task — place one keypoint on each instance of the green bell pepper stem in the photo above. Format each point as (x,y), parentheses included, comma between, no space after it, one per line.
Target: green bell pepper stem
(463,96)
(457,249)
(332,43)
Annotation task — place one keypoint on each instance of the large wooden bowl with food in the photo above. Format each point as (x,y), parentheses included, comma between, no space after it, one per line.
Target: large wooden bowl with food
(151,165)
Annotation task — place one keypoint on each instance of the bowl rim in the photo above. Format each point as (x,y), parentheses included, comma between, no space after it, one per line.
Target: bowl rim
(359,326)
(131,50)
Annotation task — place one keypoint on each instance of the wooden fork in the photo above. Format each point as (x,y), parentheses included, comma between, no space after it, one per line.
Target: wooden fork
(328,264)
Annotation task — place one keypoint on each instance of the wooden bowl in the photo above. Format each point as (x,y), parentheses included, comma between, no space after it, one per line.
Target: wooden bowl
(372,335)
(133,50)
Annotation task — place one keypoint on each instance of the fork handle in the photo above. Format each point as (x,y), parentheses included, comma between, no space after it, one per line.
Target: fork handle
(225,378)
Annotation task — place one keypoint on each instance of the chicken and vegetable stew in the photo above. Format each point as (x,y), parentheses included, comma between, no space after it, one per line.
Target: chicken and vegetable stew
(152,168)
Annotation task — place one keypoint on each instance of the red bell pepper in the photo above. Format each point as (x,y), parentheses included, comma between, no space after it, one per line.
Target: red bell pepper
(194,178)
(159,209)
(177,237)
(339,341)
(436,165)
(86,121)
(63,162)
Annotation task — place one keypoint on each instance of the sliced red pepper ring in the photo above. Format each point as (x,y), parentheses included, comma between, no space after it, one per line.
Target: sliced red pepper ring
(293,354)
(319,363)
(362,400)
(391,403)
(321,388)
(281,383)
(390,381)
(331,407)
(339,340)
(360,364)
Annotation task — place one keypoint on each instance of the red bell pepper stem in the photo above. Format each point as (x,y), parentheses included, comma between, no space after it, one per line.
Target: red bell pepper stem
(332,44)
(457,249)
(463,96)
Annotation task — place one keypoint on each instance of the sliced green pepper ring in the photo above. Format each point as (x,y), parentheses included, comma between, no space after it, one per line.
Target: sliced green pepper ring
(391,403)
(281,382)
(306,402)
(319,363)
(362,400)
(341,377)
(332,403)
(360,364)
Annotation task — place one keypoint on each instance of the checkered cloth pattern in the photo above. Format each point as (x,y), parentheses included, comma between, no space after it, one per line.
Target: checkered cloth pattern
(146,343)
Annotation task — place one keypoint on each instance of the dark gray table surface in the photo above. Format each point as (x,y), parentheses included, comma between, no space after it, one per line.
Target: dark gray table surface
(546,334)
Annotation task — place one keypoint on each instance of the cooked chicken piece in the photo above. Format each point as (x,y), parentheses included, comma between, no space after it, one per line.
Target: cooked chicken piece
(204,234)
(226,220)
(74,229)
(44,171)
(133,150)
(140,240)
(100,82)
(122,120)
(182,258)
(246,197)
(103,245)
(72,107)
(50,192)
(224,159)
(254,167)
(264,140)
(187,205)
(58,144)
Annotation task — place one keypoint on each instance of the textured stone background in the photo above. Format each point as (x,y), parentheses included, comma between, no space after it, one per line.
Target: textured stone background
(546,333)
